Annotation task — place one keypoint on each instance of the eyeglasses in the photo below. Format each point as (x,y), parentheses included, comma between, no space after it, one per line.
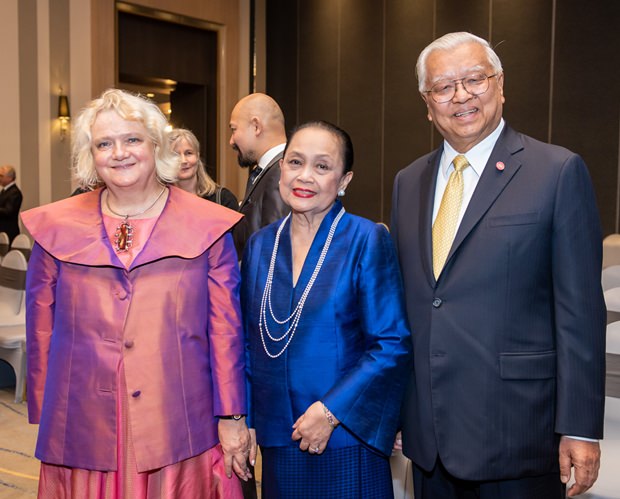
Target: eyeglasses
(474,84)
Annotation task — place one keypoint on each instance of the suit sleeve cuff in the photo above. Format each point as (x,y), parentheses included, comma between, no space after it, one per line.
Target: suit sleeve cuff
(585,439)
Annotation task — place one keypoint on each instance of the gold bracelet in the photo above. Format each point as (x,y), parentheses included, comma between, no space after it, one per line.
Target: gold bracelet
(329,416)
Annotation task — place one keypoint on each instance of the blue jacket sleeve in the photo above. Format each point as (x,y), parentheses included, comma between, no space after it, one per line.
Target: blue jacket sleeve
(367,401)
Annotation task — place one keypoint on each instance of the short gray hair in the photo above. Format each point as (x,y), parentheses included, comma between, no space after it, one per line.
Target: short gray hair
(451,41)
(129,107)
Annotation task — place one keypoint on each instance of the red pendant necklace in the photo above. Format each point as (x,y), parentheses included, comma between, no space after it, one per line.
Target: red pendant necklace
(123,237)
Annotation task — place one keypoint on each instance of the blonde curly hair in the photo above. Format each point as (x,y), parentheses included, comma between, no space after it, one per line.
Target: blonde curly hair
(129,107)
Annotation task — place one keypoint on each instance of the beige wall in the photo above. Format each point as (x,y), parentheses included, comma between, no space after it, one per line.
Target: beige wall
(72,43)
(233,60)
(9,86)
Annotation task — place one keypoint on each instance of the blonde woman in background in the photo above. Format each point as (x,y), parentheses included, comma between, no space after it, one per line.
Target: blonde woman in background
(193,176)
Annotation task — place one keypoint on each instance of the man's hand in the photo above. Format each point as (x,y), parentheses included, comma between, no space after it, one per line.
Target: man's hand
(235,439)
(398,442)
(253,447)
(585,457)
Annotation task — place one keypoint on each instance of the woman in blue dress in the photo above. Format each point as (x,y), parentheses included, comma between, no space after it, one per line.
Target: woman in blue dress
(328,346)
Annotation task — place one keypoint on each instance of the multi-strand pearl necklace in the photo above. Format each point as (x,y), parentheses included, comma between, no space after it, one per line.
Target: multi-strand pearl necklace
(295,317)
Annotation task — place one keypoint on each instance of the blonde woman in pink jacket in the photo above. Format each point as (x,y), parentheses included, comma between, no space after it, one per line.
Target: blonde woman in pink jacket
(135,349)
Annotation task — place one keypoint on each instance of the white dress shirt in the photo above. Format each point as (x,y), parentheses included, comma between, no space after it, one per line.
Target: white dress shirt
(267,158)
(477,157)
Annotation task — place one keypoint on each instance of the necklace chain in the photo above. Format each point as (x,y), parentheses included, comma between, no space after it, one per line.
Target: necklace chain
(295,316)
(107,203)
(123,237)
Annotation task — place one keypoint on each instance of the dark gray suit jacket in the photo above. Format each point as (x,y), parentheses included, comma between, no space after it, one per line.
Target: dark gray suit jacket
(509,343)
(261,205)
(10,203)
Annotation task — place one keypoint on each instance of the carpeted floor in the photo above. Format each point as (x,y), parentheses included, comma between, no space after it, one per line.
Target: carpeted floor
(19,469)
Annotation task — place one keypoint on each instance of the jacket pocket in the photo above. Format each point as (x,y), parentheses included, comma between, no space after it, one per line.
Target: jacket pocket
(530,365)
(514,219)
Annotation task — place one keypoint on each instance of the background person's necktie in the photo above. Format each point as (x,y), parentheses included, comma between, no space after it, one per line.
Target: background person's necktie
(444,228)
(252,177)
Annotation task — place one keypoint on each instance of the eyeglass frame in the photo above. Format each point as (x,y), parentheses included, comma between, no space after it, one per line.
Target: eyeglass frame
(460,80)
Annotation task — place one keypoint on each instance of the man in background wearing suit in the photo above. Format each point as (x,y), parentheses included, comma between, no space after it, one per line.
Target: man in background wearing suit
(10,202)
(258,136)
(501,259)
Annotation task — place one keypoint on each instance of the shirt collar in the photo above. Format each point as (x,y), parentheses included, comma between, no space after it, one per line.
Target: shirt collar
(269,155)
(477,155)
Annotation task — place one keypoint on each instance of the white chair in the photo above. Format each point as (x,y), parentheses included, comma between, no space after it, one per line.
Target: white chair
(13,316)
(610,277)
(612,387)
(612,299)
(22,243)
(13,289)
(5,244)
(611,250)
(13,351)
(608,484)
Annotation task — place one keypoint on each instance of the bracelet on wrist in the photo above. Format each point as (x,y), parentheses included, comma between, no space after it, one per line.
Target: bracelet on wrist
(236,417)
(329,416)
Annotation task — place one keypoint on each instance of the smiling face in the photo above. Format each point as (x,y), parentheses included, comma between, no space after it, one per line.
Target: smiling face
(123,153)
(188,157)
(312,172)
(467,119)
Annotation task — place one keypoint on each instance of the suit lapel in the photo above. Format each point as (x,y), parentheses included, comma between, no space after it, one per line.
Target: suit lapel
(428,180)
(491,184)
(258,179)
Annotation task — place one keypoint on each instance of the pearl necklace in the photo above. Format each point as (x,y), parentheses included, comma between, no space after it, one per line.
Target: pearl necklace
(123,237)
(295,317)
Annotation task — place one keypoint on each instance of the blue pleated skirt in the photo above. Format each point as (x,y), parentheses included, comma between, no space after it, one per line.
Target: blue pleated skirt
(341,473)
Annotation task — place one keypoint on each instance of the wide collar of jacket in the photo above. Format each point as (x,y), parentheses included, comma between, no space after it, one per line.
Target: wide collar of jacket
(490,186)
(72,230)
(262,175)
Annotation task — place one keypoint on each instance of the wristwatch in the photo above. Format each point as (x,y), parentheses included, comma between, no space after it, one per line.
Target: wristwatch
(236,417)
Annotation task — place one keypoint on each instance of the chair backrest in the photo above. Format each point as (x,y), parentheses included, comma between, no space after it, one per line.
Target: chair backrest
(612,387)
(611,250)
(22,243)
(4,243)
(13,280)
(610,277)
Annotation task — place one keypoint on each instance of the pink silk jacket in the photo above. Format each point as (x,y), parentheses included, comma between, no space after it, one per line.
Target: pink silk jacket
(173,318)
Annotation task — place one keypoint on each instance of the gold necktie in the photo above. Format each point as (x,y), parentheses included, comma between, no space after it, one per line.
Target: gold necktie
(444,228)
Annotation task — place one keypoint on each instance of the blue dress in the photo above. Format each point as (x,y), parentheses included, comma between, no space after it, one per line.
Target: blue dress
(351,350)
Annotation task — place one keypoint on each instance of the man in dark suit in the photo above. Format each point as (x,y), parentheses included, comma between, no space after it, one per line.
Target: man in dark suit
(501,259)
(258,136)
(10,202)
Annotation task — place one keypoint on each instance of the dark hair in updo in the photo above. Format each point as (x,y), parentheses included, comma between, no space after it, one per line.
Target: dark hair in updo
(346,145)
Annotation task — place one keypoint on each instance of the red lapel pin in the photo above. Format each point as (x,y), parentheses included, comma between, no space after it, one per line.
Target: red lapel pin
(500,166)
